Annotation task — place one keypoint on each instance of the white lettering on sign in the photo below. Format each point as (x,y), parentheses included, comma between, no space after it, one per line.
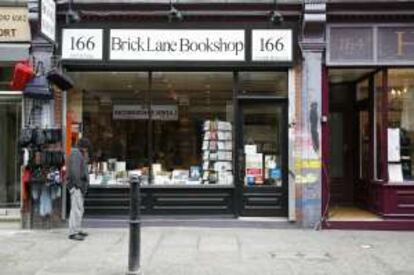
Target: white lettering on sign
(48,19)
(177,45)
(82,44)
(139,112)
(272,45)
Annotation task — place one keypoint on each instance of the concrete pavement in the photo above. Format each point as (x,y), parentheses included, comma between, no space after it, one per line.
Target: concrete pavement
(201,250)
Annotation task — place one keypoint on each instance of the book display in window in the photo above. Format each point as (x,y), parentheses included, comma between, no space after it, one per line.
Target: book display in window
(217,152)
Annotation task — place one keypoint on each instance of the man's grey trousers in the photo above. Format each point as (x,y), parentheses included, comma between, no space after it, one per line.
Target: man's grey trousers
(76,211)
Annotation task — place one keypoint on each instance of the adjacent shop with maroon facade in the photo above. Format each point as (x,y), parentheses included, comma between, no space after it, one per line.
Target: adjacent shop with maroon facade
(368,140)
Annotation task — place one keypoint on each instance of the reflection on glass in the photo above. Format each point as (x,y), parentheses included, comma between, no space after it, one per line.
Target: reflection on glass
(262,144)
(10,123)
(256,83)
(197,143)
(364,145)
(188,139)
(362,90)
(336,156)
(400,115)
(378,123)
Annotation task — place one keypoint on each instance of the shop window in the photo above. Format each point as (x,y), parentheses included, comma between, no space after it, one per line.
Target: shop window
(175,127)
(193,142)
(5,78)
(109,108)
(10,124)
(378,122)
(264,83)
(364,141)
(336,156)
(362,90)
(400,124)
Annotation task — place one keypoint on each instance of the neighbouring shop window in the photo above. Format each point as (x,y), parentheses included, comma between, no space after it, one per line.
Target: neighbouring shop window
(364,141)
(336,157)
(10,124)
(5,78)
(362,96)
(400,124)
(378,122)
(362,90)
(264,83)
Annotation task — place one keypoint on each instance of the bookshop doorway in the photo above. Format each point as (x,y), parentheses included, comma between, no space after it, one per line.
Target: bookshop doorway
(262,157)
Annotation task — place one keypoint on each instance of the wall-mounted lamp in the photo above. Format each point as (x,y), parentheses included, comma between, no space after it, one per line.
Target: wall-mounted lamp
(72,16)
(174,14)
(275,16)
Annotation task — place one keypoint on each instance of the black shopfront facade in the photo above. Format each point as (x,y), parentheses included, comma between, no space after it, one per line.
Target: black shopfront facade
(200,109)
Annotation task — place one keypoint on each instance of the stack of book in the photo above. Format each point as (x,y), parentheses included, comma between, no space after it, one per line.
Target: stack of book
(217,152)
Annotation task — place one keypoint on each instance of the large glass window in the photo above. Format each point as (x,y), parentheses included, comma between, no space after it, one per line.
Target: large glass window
(364,141)
(401,124)
(109,108)
(10,124)
(264,83)
(176,127)
(378,122)
(195,146)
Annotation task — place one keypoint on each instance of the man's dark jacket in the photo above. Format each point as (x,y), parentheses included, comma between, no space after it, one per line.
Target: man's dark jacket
(78,175)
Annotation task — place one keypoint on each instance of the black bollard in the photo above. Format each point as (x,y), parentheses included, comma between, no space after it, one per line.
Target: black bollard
(134,226)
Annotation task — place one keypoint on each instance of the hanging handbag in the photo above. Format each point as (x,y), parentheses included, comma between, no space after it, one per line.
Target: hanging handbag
(39,137)
(27,134)
(58,78)
(22,73)
(25,137)
(38,86)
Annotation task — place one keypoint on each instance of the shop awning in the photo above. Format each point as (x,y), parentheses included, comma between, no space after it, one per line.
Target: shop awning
(10,52)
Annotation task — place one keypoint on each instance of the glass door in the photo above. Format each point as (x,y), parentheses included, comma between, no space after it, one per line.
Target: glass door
(262,149)
(10,124)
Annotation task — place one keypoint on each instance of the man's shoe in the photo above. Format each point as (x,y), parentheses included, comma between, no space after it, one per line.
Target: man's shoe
(83,234)
(76,237)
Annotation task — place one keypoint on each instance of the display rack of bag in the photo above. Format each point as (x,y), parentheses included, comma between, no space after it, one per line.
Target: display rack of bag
(42,152)
(44,164)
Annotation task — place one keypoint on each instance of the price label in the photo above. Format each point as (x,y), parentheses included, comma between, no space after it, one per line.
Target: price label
(272,45)
(82,44)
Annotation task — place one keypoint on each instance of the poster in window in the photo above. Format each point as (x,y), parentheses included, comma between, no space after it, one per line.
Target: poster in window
(394,147)
(395,172)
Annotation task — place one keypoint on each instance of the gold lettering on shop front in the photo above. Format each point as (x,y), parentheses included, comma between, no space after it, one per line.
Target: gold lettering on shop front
(401,44)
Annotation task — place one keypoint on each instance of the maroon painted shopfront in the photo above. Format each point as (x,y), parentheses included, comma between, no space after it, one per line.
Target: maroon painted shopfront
(368,142)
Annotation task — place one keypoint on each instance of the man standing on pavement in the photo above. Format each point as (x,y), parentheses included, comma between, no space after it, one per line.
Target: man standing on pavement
(78,182)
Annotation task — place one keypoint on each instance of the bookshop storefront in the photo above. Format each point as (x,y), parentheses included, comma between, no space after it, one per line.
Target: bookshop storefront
(200,111)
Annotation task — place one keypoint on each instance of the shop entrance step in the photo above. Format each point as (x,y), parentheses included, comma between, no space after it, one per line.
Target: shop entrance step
(221,221)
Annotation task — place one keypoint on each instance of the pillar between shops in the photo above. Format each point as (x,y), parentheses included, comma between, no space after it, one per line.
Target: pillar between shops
(308,162)
(41,51)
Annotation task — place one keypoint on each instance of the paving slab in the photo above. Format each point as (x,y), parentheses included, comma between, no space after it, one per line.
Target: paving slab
(202,250)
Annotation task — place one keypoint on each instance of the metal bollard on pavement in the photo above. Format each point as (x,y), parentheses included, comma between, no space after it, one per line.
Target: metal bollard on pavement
(134,265)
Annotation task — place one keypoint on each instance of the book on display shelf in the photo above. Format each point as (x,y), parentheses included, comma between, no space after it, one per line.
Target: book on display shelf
(217,150)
